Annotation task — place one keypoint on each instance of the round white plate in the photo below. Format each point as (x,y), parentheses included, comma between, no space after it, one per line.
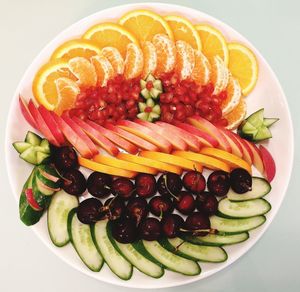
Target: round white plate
(267,94)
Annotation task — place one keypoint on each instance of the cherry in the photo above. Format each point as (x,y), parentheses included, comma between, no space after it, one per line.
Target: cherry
(99,184)
(171,224)
(150,229)
(74,182)
(218,183)
(240,180)
(145,185)
(113,208)
(169,184)
(65,158)
(123,187)
(161,205)
(124,230)
(198,223)
(89,211)
(185,203)
(137,209)
(207,203)
(194,181)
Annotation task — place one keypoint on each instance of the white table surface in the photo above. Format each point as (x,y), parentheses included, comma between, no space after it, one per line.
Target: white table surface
(272,26)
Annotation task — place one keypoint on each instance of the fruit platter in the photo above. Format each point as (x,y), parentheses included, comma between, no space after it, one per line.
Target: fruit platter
(149,145)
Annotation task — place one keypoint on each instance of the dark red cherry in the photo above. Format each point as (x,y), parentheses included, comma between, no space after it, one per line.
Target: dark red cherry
(197,223)
(194,182)
(218,183)
(145,185)
(89,211)
(171,224)
(150,229)
(124,230)
(207,203)
(123,187)
(137,209)
(161,205)
(169,184)
(185,203)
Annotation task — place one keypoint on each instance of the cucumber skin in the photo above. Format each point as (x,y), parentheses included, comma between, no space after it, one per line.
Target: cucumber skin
(69,226)
(108,228)
(42,200)
(46,181)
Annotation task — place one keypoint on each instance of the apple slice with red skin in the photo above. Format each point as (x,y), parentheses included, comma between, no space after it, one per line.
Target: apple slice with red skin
(113,137)
(26,113)
(72,137)
(234,144)
(211,129)
(192,141)
(97,137)
(204,138)
(247,152)
(43,127)
(175,140)
(84,137)
(139,142)
(269,163)
(257,159)
(31,201)
(52,125)
(147,134)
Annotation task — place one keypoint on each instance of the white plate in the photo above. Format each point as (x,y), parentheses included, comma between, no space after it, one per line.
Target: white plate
(267,94)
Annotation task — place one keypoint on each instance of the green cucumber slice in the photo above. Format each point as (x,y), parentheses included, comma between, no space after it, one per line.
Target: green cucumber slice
(81,238)
(33,139)
(45,145)
(135,258)
(48,176)
(217,239)
(213,254)
(156,109)
(21,146)
(257,118)
(249,129)
(170,260)
(232,226)
(57,217)
(157,84)
(29,155)
(260,188)
(45,190)
(143,116)
(28,215)
(145,93)
(142,106)
(116,262)
(268,122)
(41,157)
(262,134)
(155,92)
(143,83)
(42,200)
(243,209)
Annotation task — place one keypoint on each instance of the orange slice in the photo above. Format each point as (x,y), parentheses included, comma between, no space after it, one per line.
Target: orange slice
(150,59)
(104,69)
(115,58)
(213,42)
(110,35)
(84,71)
(202,69)
(219,75)
(134,61)
(67,91)
(76,48)
(232,160)
(185,59)
(243,66)
(161,166)
(126,165)
(184,30)
(105,168)
(166,54)
(234,94)
(206,161)
(44,86)
(236,116)
(172,159)
(144,24)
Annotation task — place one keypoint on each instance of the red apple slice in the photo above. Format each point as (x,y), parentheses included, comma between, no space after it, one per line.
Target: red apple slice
(72,137)
(31,200)
(235,146)
(44,129)
(51,123)
(209,128)
(114,138)
(257,159)
(175,140)
(26,113)
(269,163)
(192,141)
(81,134)
(204,138)
(141,143)
(97,137)
(146,134)
(247,152)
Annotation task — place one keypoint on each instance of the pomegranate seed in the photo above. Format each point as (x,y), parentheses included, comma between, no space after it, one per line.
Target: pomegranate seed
(148,109)
(149,85)
(223,95)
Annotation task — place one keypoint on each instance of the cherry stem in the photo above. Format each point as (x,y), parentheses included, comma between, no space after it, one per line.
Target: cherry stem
(166,184)
(180,244)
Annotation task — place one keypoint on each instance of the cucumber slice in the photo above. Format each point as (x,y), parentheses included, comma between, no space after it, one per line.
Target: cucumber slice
(268,122)
(156,109)
(157,84)
(232,226)
(45,145)
(42,200)
(143,116)
(29,155)
(57,217)
(116,262)
(170,260)
(21,146)
(263,133)
(135,258)
(260,188)
(249,129)
(41,157)
(143,83)
(33,139)
(155,92)
(81,238)
(48,176)
(45,190)
(145,93)
(257,118)
(28,215)
(217,239)
(213,254)
(244,209)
